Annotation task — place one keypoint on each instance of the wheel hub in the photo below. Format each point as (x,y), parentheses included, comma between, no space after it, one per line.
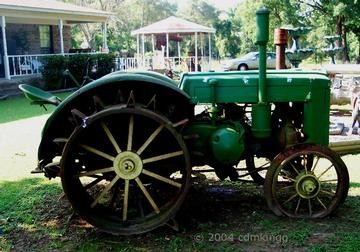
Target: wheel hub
(307,186)
(128,165)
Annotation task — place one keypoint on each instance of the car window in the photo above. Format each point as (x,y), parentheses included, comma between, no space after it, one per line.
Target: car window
(271,55)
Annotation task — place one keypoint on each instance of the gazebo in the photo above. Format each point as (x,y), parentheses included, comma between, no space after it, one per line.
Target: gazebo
(173,28)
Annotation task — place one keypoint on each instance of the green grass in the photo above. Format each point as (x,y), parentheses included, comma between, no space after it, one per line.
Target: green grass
(35,217)
(15,108)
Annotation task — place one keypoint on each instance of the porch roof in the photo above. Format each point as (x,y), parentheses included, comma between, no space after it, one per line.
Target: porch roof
(49,12)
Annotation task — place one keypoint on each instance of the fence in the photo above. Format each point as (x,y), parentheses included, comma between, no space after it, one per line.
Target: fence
(23,65)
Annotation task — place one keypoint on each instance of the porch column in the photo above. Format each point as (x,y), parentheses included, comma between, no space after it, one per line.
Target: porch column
(209,51)
(196,52)
(61,26)
(6,60)
(105,46)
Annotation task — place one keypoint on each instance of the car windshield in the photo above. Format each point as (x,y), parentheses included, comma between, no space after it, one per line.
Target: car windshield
(249,56)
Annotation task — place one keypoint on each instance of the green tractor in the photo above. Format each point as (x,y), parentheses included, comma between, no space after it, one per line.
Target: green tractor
(124,145)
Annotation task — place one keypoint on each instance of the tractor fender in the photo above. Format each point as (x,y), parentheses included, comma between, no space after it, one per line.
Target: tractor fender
(59,126)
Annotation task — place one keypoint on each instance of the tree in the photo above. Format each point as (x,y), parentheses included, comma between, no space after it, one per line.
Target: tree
(227,38)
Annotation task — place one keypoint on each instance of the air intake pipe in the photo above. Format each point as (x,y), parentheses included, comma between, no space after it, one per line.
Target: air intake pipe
(261,112)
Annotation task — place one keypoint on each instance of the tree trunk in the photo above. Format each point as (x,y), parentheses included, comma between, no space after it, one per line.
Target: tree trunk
(346,57)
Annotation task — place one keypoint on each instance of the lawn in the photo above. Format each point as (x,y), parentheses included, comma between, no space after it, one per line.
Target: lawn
(15,108)
(35,217)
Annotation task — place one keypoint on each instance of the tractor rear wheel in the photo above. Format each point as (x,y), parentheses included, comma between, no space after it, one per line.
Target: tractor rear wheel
(306,181)
(125,170)
(257,168)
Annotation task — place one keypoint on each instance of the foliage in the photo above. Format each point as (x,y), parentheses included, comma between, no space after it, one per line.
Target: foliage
(105,63)
(235,30)
(78,65)
(227,40)
(52,70)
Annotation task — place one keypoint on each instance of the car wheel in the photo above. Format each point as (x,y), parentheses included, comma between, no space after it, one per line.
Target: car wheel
(243,67)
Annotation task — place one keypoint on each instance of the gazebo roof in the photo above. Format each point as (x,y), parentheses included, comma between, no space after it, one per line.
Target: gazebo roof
(173,25)
(48,12)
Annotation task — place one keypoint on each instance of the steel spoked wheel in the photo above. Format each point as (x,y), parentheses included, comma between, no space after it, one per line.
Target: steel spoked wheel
(306,181)
(125,170)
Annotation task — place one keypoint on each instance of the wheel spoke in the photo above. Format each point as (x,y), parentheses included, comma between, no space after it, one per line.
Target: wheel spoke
(147,195)
(321,203)
(93,183)
(150,139)
(97,152)
(291,198)
(286,187)
(310,207)
(88,173)
(316,162)
(332,165)
(286,177)
(297,206)
(161,178)
(111,137)
(106,189)
(305,163)
(131,131)
(162,157)
(294,168)
(328,193)
(329,180)
(126,199)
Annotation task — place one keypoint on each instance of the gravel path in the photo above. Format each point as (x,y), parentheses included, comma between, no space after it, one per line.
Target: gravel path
(20,139)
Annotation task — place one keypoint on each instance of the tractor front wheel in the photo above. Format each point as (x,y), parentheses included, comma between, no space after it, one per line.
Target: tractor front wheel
(306,181)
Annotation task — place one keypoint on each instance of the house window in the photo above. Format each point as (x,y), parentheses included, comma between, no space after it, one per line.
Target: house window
(45,38)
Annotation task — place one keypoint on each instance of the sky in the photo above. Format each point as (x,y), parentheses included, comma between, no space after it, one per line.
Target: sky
(220,4)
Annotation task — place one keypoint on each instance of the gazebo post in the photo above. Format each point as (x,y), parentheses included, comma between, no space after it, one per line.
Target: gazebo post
(105,46)
(167,45)
(137,48)
(196,52)
(143,49)
(153,43)
(179,54)
(209,51)
(202,44)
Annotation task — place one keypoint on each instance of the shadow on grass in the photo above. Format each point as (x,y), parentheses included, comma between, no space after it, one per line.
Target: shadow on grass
(35,217)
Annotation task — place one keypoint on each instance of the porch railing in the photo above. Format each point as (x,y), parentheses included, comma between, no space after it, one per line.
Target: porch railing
(29,64)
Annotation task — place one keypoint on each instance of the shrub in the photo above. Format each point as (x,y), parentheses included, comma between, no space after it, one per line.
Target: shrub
(52,71)
(79,64)
(105,63)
